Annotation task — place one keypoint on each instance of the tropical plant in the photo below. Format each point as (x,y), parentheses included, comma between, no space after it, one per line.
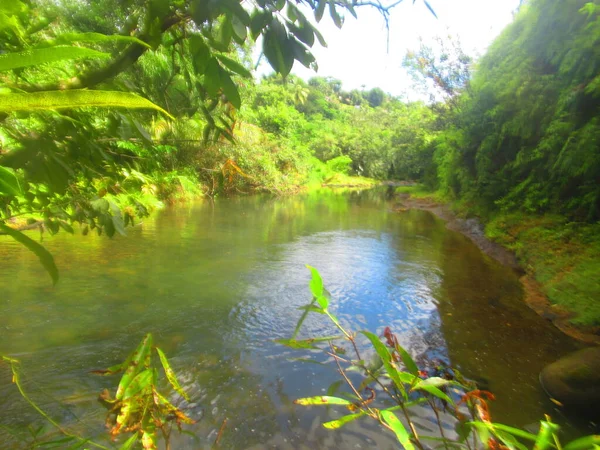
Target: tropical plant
(384,382)
(138,410)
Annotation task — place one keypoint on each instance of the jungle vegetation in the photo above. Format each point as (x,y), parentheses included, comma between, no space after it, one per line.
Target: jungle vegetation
(110,109)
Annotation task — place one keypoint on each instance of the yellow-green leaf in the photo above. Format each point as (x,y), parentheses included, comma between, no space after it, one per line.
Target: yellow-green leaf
(321,400)
(75,98)
(335,424)
(390,419)
(170,373)
(39,56)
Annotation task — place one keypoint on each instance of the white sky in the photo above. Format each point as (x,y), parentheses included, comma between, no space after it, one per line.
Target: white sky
(358,54)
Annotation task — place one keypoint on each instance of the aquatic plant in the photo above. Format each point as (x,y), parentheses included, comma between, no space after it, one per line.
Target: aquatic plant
(393,378)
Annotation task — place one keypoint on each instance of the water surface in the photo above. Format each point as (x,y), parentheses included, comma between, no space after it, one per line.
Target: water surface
(217,282)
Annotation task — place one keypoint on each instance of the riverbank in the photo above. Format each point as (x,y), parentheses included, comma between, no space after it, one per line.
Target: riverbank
(558,261)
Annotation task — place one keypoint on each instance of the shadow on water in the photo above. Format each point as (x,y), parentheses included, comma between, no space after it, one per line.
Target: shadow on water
(217,282)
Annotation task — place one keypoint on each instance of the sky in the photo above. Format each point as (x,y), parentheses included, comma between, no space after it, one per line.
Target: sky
(358,54)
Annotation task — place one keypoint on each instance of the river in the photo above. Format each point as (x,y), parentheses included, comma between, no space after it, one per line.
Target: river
(217,282)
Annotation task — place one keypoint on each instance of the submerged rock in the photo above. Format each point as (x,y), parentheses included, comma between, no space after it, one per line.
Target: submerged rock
(574,380)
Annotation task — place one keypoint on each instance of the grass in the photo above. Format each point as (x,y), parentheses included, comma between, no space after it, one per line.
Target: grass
(563,256)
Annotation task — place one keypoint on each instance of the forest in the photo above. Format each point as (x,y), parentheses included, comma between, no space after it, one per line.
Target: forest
(112,110)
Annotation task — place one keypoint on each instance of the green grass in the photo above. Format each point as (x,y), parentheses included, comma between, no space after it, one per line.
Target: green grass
(563,256)
(421,192)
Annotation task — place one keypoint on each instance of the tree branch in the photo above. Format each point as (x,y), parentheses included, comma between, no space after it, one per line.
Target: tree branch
(121,63)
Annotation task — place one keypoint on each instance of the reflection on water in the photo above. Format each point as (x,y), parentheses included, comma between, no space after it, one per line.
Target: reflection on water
(217,282)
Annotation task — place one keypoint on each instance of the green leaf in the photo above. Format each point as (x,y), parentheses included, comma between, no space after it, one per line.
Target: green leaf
(95,38)
(230,89)
(515,431)
(320,9)
(43,255)
(9,183)
(392,421)
(39,56)
(583,443)
(212,78)
(337,19)
(142,381)
(306,343)
(386,358)
(316,283)
(436,392)
(338,423)
(171,374)
(234,66)
(276,48)
(138,361)
(129,443)
(75,98)
(544,439)
(410,364)
(321,400)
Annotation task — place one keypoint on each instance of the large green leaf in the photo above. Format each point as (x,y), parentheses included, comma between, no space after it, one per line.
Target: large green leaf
(38,56)
(43,255)
(9,184)
(397,427)
(76,98)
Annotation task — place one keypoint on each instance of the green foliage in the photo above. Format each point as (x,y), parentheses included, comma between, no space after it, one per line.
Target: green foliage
(138,407)
(524,135)
(395,376)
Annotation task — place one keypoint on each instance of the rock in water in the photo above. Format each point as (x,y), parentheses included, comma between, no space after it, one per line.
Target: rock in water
(575,379)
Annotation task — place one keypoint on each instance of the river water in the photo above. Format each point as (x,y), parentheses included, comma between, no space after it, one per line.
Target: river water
(217,282)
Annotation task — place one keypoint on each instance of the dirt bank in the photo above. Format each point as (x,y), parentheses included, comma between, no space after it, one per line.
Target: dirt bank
(533,294)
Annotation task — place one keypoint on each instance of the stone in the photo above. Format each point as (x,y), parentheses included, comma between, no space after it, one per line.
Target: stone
(574,380)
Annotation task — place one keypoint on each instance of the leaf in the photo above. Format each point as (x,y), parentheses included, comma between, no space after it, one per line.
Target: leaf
(544,439)
(338,423)
(316,283)
(75,98)
(430,8)
(320,10)
(129,443)
(515,431)
(305,343)
(142,381)
(321,400)
(234,66)
(98,37)
(583,443)
(171,374)
(386,358)
(410,364)
(436,392)
(276,48)
(39,56)
(337,19)
(230,89)
(9,183)
(139,360)
(43,255)
(390,419)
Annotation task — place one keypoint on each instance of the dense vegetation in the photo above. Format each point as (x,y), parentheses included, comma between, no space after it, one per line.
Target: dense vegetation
(109,109)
